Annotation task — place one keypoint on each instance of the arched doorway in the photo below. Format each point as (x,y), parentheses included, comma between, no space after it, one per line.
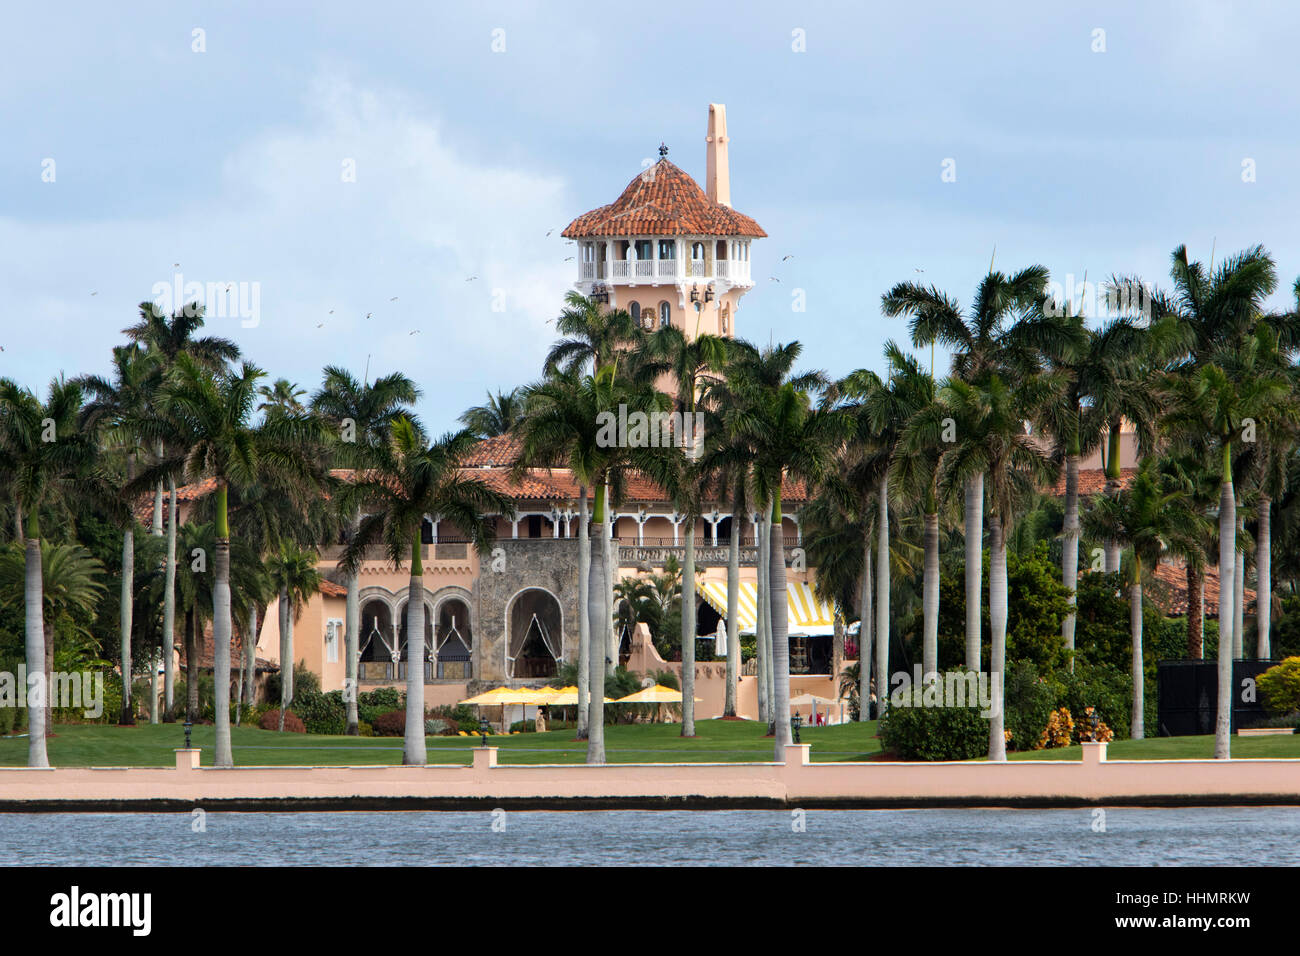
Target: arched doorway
(535,643)
(378,642)
(455,640)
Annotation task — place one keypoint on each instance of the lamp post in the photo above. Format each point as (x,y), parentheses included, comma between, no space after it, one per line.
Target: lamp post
(483,728)
(188,727)
(795,723)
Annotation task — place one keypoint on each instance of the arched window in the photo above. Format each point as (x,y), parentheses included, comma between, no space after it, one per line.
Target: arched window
(697,251)
(665,315)
(635,309)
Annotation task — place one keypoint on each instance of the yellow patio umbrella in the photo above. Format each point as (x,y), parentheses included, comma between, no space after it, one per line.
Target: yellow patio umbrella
(568,697)
(655,694)
(502,695)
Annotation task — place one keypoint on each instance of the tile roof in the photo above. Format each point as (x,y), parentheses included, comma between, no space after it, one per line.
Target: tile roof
(1092,481)
(1169,592)
(663,201)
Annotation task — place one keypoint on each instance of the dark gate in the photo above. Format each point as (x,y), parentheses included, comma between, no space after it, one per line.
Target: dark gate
(1187,695)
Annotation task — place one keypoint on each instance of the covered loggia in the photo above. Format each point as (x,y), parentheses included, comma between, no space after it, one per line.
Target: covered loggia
(535,634)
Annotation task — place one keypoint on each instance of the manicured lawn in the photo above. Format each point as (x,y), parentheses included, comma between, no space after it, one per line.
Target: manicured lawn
(717,741)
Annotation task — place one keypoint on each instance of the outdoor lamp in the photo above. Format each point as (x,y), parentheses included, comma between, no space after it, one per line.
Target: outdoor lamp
(188,727)
(1094,719)
(796,722)
(483,728)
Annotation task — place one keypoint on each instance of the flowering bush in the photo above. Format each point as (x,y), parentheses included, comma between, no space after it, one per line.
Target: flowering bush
(271,721)
(1060,726)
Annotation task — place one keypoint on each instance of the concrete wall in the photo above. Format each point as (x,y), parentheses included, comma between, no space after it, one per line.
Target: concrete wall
(794,782)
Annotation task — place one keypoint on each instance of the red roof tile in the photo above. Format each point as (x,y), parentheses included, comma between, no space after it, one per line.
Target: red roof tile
(1092,481)
(663,201)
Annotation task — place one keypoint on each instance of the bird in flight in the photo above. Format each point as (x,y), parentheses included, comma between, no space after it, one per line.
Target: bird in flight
(321,326)
(415,332)
(791,256)
(369,314)
(176,265)
(774,278)
(549,231)
(568,259)
(331,311)
(94,293)
(471,278)
(393,299)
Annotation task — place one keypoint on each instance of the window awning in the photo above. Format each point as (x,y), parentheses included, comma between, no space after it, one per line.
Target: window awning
(807,615)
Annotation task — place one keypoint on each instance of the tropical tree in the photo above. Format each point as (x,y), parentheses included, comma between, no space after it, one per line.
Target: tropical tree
(1151,520)
(408,479)
(210,416)
(117,408)
(498,415)
(982,346)
(44,460)
(360,417)
(168,337)
(791,438)
(991,440)
(280,396)
(293,576)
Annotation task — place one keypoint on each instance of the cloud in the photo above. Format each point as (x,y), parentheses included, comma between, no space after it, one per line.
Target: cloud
(458,239)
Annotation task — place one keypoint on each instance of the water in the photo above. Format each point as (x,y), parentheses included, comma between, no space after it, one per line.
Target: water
(1132,837)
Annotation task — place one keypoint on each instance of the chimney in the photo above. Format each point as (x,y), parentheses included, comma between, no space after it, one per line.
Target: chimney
(717,169)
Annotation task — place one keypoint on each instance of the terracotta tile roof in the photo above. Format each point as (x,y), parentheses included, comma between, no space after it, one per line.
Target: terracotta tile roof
(236,652)
(190,492)
(330,589)
(503,450)
(663,201)
(1092,481)
(1169,591)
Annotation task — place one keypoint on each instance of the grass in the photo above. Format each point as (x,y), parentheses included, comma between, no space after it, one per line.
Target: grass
(717,741)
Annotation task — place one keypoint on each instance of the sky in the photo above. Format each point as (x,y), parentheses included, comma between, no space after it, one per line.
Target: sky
(875,143)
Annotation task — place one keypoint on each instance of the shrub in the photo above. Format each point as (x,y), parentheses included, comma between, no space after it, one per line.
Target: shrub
(7,716)
(439,727)
(461,716)
(322,713)
(271,721)
(305,682)
(1280,686)
(1087,734)
(1110,691)
(379,701)
(364,729)
(1059,729)
(934,733)
(1029,701)
(390,724)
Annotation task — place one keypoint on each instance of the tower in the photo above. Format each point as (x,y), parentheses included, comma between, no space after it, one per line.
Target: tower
(666,250)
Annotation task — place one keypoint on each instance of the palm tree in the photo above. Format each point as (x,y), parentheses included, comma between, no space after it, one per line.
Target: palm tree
(210,415)
(884,408)
(497,416)
(281,395)
(44,460)
(1224,400)
(693,364)
(117,408)
(168,337)
(407,480)
(982,346)
(790,438)
(71,583)
(592,336)
(1150,520)
(360,416)
(1104,380)
(991,440)
(294,577)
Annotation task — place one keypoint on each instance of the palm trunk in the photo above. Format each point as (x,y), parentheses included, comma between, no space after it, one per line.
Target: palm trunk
(221,630)
(1111,551)
(286,654)
(153,685)
(780,635)
(126,605)
(997,634)
(864,634)
(882,595)
(191,666)
(237,665)
(1264,578)
(1239,595)
(34,647)
(1227,570)
(688,633)
(1137,731)
(352,647)
(761,589)
(611,569)
(169,610)
(974,568)
(837,641)
(1070,552)
(584,614)
(930,599)
(414,753)
(1195,611)
(733,610)
(49,668)
(595,611)
(250,656)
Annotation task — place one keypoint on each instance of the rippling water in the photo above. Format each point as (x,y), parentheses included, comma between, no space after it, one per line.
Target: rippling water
(1202,836)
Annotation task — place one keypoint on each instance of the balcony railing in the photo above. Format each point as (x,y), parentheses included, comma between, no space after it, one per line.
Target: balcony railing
(621,271)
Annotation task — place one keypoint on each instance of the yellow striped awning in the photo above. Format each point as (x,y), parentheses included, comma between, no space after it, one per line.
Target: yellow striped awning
(807,615)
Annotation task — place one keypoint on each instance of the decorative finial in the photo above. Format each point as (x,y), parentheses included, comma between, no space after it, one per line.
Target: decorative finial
(663,151)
